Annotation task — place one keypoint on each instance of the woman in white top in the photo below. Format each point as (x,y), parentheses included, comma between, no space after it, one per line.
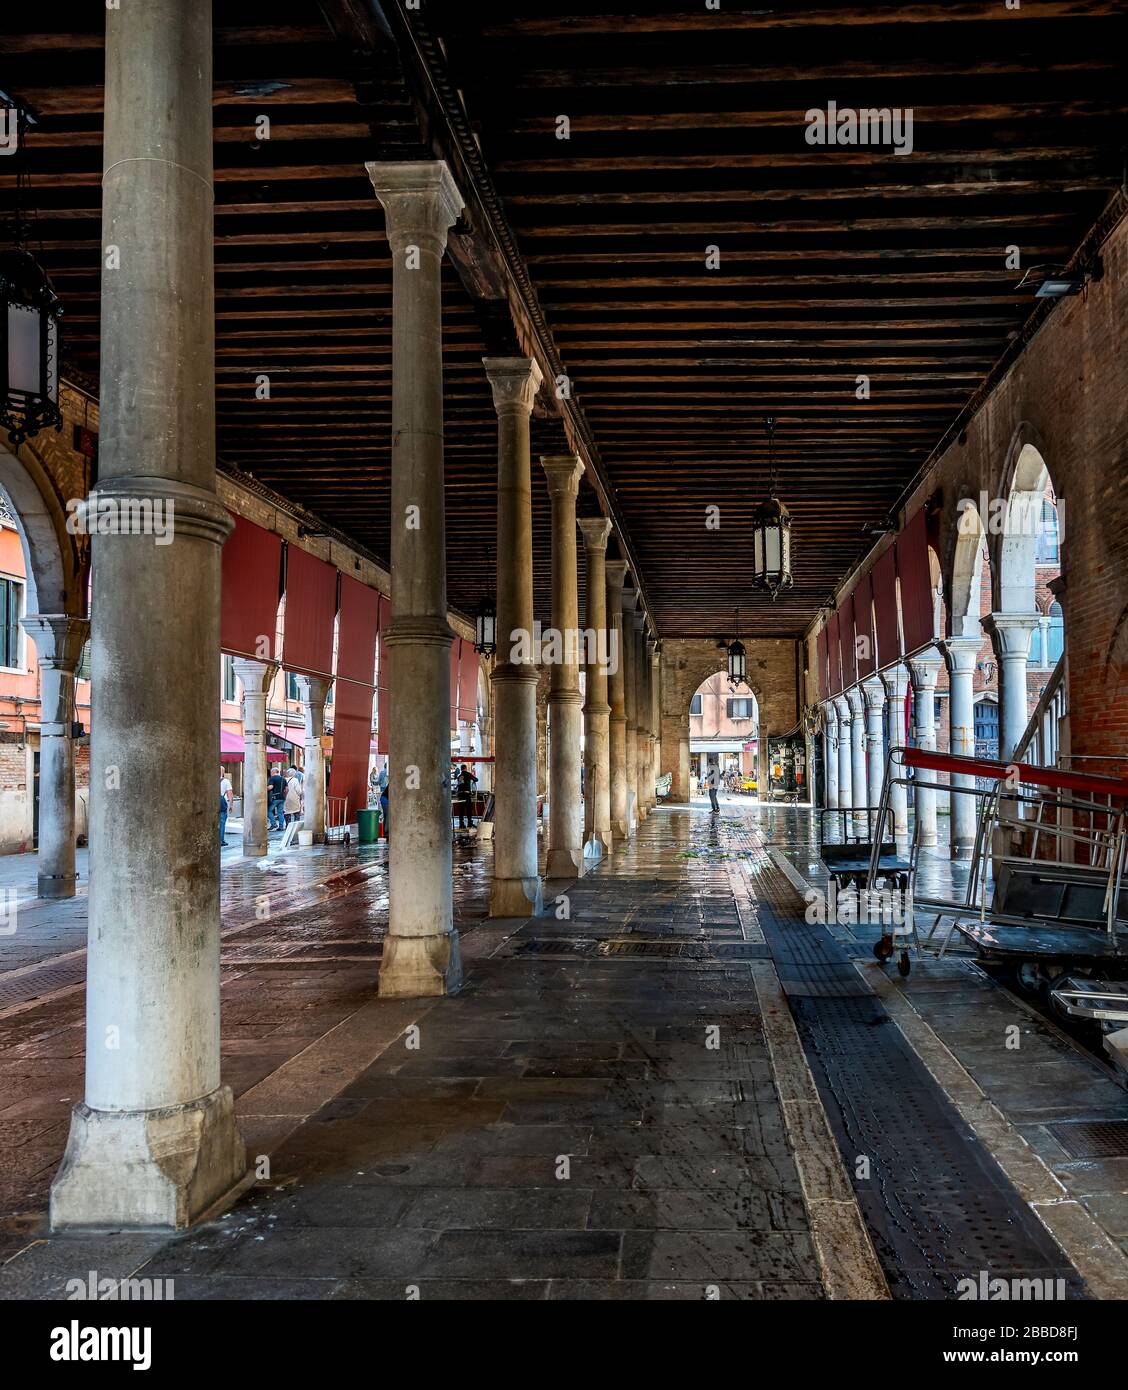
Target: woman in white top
(293,803)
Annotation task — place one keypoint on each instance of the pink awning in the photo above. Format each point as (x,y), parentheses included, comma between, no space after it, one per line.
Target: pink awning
(232,748)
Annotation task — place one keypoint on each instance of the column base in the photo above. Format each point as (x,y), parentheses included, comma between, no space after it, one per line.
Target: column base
(619,830)
(148,1168)
(56,885)
(960,850)
(420,967)
(564,863)
(516,897)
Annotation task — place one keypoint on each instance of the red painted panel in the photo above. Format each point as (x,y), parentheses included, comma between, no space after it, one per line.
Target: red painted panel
(834,661)
(352,737)
(863,626)
(917,614)
(356,631)
(846,641)
(822,683)
(883,578)
(468,683)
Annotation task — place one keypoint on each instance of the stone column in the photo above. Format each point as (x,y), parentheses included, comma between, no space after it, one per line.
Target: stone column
(685,769)
(845,757)
(896,682)
(516,887)
(858,775)
(314,691)
(655,719)
(597,710)
(642,716)
(961,654)
(1010,635)
(421,954)
(565,807)
(630,698)
(924,671)
(830,756)
(874,693)
(616,574)
(59,640)
(257,678)
(154,1143)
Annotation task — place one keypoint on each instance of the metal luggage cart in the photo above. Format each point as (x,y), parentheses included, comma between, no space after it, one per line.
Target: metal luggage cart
(1031,904)
(337,821)
(849,865)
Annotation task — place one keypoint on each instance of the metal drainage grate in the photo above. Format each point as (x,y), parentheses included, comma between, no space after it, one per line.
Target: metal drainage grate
(685,950)
(553,948)
(1092,1138)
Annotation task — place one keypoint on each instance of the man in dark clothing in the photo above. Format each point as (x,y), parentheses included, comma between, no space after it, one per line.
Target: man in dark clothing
(466,784)
(275,799)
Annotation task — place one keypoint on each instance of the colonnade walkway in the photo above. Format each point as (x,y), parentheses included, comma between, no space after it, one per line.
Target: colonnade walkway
(669,1086)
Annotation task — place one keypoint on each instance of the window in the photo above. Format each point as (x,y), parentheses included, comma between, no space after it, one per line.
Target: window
(292,692)
(1035,657)
(1047,552)
(740,709)
(1055,635)
(695,705)
(229,678)
(10,622)
(986,729)
(938,711)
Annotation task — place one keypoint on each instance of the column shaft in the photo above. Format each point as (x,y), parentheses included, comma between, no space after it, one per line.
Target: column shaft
(314,691)
(642,716)
(858,769)
(155,1143)
(597,710)
(874,693)
(421,954)
(617,684)
(845,758)
(257,678)
(830,755)
(960,654)
(516,887)
(565,807)
(924,671)
(896,681)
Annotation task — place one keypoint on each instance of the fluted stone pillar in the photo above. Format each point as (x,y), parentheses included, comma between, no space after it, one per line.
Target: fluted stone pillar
(630,698)
(314,691)
(845,756)
(830,755)
(516,887)
(597,709)
(421,954)
(565,807)
(257,678)
(59,640)
(154,1143)
(1010,635)
(642,715)
(896,682)
(961,654)
(923,671)
(616,684)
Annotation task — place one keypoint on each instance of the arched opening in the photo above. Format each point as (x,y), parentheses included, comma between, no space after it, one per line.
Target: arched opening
(724,736)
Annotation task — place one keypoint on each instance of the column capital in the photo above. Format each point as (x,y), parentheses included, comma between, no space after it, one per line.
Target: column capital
(830,714)
(1010,633)
(630,600)
(895,678)
(596,530)
(873,691)
(257,676)
(420,198)
(58,637)
(638,617)
(314,690)
(616,575)
(563,472)
(856,699)
(924,669)
(842,705)
(515,382)
(652,648)
(960,654)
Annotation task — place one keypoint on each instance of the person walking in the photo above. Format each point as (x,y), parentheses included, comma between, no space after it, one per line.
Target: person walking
(292,806)
(226,794)
(275,800)
(712,781)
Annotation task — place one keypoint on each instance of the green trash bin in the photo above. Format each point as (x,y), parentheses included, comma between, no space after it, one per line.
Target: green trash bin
(368,826)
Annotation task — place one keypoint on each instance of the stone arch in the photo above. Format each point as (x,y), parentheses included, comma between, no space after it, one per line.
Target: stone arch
(54,562)
(964,572)
(1024,484)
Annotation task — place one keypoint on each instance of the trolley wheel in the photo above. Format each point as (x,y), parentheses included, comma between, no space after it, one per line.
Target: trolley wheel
(1028,979)
(904,964)
(883,947)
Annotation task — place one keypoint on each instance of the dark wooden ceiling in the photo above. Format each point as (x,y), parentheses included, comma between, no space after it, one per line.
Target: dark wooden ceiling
(687,132)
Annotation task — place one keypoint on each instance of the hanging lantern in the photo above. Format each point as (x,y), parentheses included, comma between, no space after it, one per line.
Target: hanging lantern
(485,628)
(737,663)
(771,535)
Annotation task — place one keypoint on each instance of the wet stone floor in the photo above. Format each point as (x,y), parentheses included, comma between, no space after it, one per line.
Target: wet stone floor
(607,1110)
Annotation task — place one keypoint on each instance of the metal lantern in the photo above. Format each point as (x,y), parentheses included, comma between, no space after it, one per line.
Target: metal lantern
(737,663)
(29,347)
(771,535)
(485,628)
